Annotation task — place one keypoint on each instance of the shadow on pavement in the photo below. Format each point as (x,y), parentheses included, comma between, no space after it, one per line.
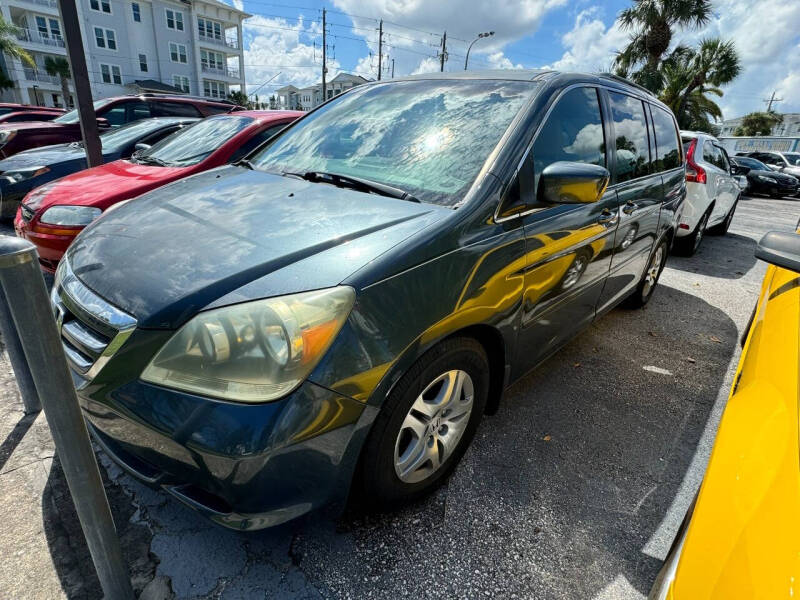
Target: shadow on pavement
(14,438)
(728,256)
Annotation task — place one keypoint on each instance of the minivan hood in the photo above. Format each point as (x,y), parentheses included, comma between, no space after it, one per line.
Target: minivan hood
(232,234)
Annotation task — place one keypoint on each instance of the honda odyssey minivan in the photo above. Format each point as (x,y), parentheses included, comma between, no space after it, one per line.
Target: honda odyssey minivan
(335,313)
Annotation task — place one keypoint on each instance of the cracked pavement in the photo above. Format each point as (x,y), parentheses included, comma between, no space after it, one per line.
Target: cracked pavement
(574,489)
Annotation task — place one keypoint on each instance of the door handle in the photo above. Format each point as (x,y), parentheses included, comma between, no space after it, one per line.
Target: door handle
(608,218)
(630,207)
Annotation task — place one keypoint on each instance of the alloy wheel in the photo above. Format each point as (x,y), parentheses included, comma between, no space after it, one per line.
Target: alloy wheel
(433,426)
(701,228)
(653,270)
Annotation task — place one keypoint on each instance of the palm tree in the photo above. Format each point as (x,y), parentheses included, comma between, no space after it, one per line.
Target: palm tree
(651,23)
(714,64)
(8,42)
(57,66)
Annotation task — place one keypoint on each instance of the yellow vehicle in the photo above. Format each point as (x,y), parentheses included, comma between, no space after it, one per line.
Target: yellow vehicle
(741,539)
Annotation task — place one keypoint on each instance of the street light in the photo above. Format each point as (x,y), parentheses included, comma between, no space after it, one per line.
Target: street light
(480,36)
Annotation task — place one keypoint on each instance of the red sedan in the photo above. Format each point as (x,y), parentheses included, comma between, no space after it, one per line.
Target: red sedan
(52,215)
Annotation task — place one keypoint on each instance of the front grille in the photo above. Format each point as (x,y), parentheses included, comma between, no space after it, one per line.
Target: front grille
(92,330)
(27,214)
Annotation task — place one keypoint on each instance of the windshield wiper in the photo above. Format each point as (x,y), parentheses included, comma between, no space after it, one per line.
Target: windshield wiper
(151,160)
(357,183)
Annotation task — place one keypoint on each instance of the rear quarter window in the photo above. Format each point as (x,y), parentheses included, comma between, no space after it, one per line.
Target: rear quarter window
(175,109)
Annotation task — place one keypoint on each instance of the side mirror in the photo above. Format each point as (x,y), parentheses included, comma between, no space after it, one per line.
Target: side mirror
(103,123)
(572,183)
(780,249)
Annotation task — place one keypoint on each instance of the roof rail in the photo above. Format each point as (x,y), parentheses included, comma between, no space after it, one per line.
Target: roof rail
(190,97)
(627,82)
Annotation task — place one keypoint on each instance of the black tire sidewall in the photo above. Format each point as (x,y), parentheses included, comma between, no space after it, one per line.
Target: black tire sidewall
(381,484)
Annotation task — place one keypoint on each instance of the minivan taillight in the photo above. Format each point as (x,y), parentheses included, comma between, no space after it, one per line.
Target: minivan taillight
(694,172)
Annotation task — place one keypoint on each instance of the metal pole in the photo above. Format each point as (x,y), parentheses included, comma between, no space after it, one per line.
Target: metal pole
(80,79)
(392,68)
(16,356)
(466,59)
(443,56)
(324,59)
(29,304)
(380,49)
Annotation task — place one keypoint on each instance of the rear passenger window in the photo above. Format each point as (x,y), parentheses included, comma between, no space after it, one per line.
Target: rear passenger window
(667,143)
(116,115)
(176,109)
(573,132)
(138,110)
(630,132)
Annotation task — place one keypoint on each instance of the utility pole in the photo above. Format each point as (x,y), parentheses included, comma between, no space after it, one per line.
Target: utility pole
(324,58)
(380,49)
(443,55)
(771,100)
(392,68)
(80,79)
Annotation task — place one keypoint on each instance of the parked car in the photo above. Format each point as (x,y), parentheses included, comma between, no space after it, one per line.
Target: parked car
(785,162)
(30,115)
(712,191)
(741,537)
(52,215)
(32,168)
(7,108)
(111,112)
(337,311)
(763,180)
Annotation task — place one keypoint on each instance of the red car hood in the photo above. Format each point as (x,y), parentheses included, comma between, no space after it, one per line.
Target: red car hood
(110,183)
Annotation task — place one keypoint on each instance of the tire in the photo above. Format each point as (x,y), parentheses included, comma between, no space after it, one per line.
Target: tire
(647,284)
(722,228)
(687,246)
(387,475)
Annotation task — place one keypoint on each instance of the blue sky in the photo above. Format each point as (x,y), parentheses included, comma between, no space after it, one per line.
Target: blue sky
(283,40)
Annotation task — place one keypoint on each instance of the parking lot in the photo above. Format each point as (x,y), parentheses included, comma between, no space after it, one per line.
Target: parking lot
(574,489)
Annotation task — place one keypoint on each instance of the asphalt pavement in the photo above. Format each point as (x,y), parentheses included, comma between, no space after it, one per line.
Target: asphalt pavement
(574,489)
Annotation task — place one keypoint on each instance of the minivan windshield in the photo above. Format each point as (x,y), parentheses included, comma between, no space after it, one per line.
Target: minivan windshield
(72,116)
(429,138)
(193,144)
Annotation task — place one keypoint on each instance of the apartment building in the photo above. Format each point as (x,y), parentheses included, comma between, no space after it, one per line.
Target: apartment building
(293,98)
(789,127)
(190,46)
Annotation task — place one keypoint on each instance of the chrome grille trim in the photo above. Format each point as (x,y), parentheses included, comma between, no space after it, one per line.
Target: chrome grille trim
(92,330)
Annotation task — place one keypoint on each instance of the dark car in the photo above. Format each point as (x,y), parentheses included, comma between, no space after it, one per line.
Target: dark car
(32,168)
(785,162)
(30,115)
(763,180)
(336,312)
(111,112)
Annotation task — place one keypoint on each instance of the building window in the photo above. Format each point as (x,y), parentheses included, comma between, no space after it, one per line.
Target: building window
(177,53)
(181,82)
(101,6)
(137,12)
(143,63)
(174,20)
(105,38)
(212,60)
(209,29)
(111,74)
(213,89)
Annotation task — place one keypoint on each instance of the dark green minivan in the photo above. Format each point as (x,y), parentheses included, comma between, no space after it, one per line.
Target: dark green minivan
(336,313)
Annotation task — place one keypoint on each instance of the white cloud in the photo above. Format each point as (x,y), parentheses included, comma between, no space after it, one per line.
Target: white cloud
(275,46)
(590,45)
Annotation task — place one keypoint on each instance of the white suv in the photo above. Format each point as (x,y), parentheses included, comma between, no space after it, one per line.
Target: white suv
(711,191)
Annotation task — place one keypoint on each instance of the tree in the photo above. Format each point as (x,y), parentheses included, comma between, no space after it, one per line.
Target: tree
(758,123)
(651,23)
(688,77)
(8,42)
(239,98)
(5,82)
(57,66)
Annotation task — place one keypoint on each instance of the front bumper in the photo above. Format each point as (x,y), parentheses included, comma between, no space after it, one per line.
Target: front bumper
(51,247)
(242,466)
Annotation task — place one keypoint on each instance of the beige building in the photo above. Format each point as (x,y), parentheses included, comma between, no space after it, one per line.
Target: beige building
(293,98)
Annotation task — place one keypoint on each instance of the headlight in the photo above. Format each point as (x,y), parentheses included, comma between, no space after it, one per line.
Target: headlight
(23,174)
(6,136)
(252,352)
(75,216)
(767,179)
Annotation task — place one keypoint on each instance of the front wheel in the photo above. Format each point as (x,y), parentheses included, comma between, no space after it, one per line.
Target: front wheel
(426,423)
(647,285)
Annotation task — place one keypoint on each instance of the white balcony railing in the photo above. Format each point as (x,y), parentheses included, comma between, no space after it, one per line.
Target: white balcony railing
(230,43)
(35,37)
(222,71)
(34,75)
(50,3)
